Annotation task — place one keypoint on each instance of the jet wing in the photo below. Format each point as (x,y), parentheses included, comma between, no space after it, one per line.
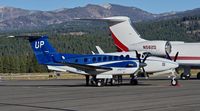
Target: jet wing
(88,68)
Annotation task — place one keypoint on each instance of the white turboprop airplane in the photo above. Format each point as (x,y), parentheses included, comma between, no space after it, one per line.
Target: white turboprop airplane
(126,38)
(100,66)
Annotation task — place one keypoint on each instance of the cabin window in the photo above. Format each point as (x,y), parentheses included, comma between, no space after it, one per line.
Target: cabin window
(127,56)
(85,60)
(76,60)
(99,59)
(121,57)
(94,59)
(104,58)
(115,57)
(110,58)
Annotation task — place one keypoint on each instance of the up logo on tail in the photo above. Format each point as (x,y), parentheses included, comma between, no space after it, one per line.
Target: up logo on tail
(39,44)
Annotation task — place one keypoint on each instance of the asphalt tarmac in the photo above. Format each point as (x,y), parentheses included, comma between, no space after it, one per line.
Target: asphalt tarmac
(73,95)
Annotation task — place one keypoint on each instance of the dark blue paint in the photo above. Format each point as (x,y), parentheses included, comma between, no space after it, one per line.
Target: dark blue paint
(47,55)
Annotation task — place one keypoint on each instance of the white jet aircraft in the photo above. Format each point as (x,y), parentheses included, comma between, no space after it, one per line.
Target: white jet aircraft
(126,38)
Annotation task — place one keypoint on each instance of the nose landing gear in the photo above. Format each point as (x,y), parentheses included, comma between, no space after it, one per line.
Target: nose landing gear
(174,81)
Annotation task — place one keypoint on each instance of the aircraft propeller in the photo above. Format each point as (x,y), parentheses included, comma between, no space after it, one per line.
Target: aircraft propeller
(142,63)
(175,57)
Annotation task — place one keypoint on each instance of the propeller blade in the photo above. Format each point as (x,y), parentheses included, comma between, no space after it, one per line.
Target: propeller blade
(138,56)
(145,73)
(145,58)
(142,63)
(167,56)
(176,56)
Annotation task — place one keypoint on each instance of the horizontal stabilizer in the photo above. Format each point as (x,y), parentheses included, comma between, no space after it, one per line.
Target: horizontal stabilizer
(116,19)
(27,37)
(31,38)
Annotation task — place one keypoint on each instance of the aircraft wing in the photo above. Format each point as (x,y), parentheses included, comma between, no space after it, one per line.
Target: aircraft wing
(88,68)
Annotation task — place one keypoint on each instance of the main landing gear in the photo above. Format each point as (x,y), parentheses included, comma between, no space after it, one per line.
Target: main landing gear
(133,80)
(186,74)
(198,75)
(103,81)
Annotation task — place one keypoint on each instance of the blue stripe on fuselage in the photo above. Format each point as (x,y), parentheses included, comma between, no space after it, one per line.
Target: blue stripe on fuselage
(92,59)
(89,59)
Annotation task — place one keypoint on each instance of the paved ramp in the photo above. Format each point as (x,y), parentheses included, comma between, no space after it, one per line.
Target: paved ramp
(73,95)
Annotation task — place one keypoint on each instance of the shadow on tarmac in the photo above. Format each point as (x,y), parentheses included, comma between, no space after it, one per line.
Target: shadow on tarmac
(32,106)
(141,83)
(77,85)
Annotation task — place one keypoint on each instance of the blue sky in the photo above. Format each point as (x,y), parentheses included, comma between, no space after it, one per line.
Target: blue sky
(153,6)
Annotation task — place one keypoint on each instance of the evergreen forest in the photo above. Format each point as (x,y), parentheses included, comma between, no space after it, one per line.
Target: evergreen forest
(81,37)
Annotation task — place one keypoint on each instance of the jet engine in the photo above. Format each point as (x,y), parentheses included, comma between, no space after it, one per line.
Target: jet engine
(153,47)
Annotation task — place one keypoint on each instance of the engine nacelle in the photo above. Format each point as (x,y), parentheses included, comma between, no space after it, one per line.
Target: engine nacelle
(153,47)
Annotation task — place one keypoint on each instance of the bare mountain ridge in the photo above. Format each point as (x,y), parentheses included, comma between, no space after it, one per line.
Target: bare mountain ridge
(16,18)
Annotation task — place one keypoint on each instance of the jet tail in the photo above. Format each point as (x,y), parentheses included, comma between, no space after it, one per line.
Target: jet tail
(122,32)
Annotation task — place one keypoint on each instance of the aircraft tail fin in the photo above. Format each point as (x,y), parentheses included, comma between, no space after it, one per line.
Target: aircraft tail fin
(122,32)
(41,48)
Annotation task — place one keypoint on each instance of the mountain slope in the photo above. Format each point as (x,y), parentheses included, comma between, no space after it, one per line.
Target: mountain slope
(20,19)
(15,18)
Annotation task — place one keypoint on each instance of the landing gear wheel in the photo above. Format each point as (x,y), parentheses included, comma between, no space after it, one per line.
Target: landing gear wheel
(134,81)
(185,77)
(100,83)
(112,82)
(174,82)
(198,75)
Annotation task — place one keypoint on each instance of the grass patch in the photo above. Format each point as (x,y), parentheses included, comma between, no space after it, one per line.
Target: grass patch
(39,76)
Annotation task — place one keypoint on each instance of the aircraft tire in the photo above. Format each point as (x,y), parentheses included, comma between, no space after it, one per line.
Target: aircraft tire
(198,75)
(100,82)
(113,82)
(185,77)
(174,82)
